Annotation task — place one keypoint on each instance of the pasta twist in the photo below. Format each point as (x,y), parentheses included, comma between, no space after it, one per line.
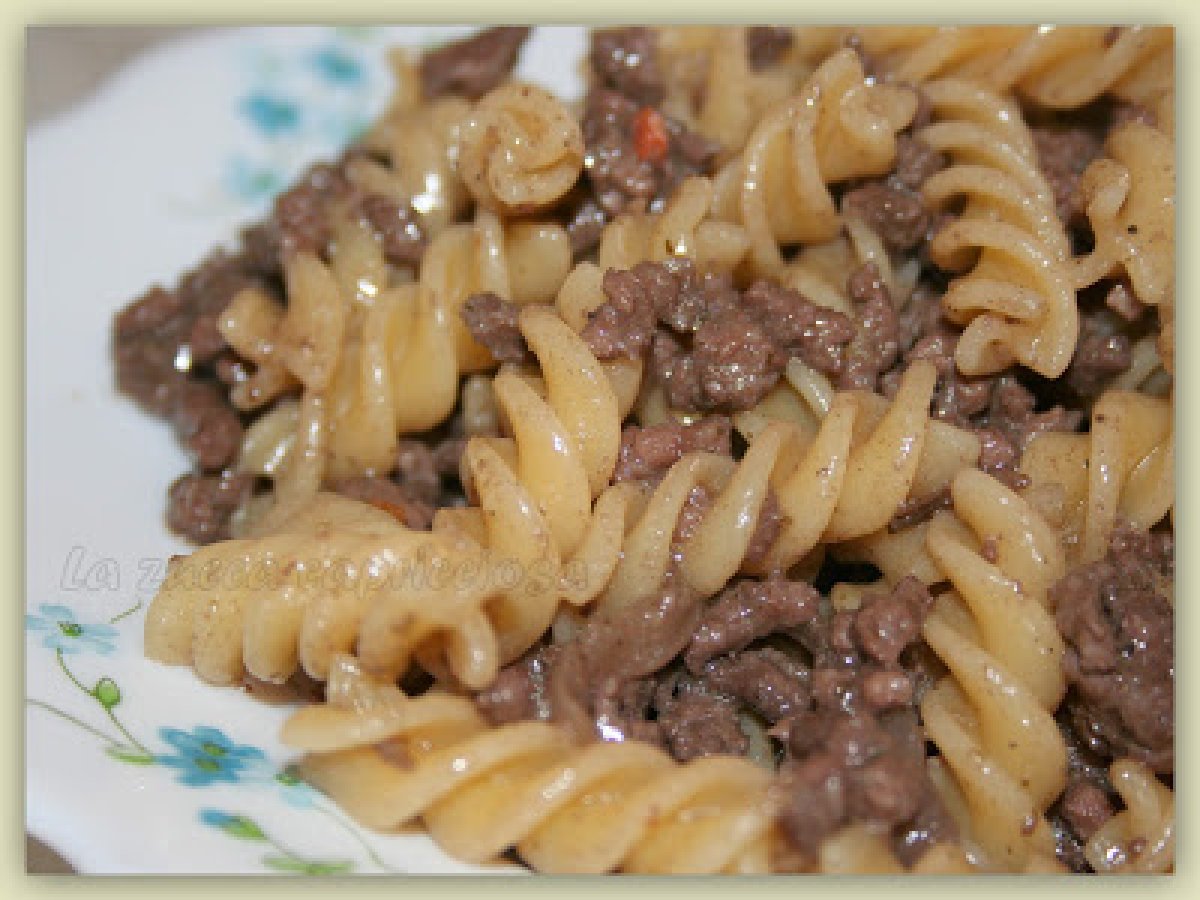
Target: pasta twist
(1140,839)
(839,126)
(272,604)
(1060,67)
(839,468)
(418,144)
(1123,470)
(388,760)
(992,716)
(398,349)
(520,149)
(469,597)
(1018,300)
(684,227)
(1129,195)
(296,345)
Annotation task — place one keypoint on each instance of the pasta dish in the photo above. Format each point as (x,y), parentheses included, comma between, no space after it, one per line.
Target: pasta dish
(761,464)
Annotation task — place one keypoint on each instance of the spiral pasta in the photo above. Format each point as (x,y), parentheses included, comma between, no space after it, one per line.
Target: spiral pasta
(1055,66)
(992,718)
(419,146)
(1122,471)
(684,227)
(1141,837)
(520,149)
(1017,302)
(488,580)
(839,126)
(564,807)
(1129,198)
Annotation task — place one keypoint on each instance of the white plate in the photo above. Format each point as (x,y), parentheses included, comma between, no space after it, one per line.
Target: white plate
(133,767)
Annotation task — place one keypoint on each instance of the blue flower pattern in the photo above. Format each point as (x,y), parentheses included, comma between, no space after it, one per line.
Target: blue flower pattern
(65,634)
(273,116)
(297,103)
(206,756)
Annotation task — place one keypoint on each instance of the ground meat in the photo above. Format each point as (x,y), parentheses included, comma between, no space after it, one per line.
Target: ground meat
(585,223)
(636,642)
(766,45)
(1085,807)
(747,611)
(895,213)
(846,768)
(155,363)
(766,532)
(697,724)
(387,495)
(714,349)
(1102,352)
(1012,412)
(626,60)
(816,335)
(647,453)
(734,364)
(915,160)
(512,696)
(886,623)
(473,66)
(999,457)
(399,230)
(875,346)
(1117,620)
(492,321)
(200,507)
(1078,810)
(624,324)
(301,213)
(1063,154)
(767,681)
(417,472)
(208,426)
(620,177)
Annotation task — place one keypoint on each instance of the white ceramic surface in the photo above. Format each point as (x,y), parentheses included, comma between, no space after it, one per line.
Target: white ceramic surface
(133,767)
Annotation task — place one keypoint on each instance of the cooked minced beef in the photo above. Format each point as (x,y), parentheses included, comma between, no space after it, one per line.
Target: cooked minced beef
(400,234)
(713,348)
(1085,804)
(915,160)
(492,321)
(746,612)
(875,346)
(626,61)
(473,66)
(837,689)
(766,45)
(1118,622)
(647,452)
(152,350)
(634,155)
(200,507)
(1063,153)
(1101,354)
(845,768)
